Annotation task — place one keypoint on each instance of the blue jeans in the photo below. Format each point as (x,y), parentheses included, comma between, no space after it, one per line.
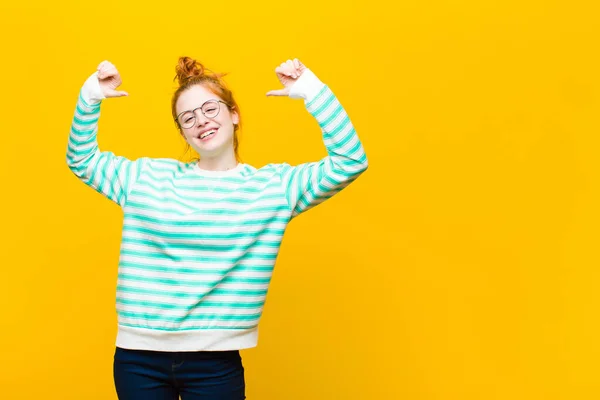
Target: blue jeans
(155,375)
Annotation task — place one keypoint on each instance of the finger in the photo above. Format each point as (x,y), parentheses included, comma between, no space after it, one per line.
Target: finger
(286,70)
(108,67)
(104,65)
(288,66)
(283,70)
(116,93)
(101,65)
(292,68)
(301,67)
(296,63)
(280,92)
(102,71)
(100,68)
(108,72)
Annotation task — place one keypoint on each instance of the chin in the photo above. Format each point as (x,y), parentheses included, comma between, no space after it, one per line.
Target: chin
(209,149)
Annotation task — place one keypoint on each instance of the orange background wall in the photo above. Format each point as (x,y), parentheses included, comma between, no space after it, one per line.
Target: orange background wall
(463,264)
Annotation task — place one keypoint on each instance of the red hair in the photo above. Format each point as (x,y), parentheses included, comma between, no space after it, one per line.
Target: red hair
(191,73)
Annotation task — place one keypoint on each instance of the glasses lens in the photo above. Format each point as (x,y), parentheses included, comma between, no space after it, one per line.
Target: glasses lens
(210,108)
(187,119)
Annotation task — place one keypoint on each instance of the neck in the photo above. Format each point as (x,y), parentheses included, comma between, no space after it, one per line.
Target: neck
(223,162)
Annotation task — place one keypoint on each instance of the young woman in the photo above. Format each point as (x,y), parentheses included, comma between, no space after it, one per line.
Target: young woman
(200,239)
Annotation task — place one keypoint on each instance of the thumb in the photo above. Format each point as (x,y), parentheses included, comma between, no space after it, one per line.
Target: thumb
(116,93)
(279,92)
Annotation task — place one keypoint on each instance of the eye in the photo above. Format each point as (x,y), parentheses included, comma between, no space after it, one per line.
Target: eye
(210,109)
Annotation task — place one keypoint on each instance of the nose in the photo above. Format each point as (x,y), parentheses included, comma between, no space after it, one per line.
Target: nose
(201,119)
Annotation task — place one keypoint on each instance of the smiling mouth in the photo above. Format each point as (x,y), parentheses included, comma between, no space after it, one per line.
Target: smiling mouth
(208,134)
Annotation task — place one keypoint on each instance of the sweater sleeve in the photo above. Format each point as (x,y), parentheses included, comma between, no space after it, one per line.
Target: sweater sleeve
(309,184)
(108,174)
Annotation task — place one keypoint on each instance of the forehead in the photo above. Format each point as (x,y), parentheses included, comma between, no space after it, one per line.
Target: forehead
(194,97)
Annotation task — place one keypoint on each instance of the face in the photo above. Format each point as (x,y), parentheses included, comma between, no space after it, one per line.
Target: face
(206,121)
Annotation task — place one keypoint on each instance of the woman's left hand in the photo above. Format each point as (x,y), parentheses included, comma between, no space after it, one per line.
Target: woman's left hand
(287,73)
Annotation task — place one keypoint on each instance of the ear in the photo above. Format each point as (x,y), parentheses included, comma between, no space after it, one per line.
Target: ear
(235,118)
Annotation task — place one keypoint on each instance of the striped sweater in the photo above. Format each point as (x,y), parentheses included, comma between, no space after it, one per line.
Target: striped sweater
(198,247)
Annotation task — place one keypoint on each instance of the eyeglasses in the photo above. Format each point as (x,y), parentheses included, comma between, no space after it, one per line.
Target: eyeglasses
(210,109)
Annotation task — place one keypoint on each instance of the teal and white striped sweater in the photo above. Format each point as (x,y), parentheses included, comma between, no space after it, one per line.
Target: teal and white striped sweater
(198,247)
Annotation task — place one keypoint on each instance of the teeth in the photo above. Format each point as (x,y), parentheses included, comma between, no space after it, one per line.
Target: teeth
(205,134)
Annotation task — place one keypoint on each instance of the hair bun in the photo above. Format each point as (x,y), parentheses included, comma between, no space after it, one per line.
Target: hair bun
(188,68)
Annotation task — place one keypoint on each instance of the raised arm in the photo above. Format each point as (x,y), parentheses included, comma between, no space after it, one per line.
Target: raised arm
(309,184)
(108,174)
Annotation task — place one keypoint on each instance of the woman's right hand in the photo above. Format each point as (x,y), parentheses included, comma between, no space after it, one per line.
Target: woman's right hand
(109,80)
